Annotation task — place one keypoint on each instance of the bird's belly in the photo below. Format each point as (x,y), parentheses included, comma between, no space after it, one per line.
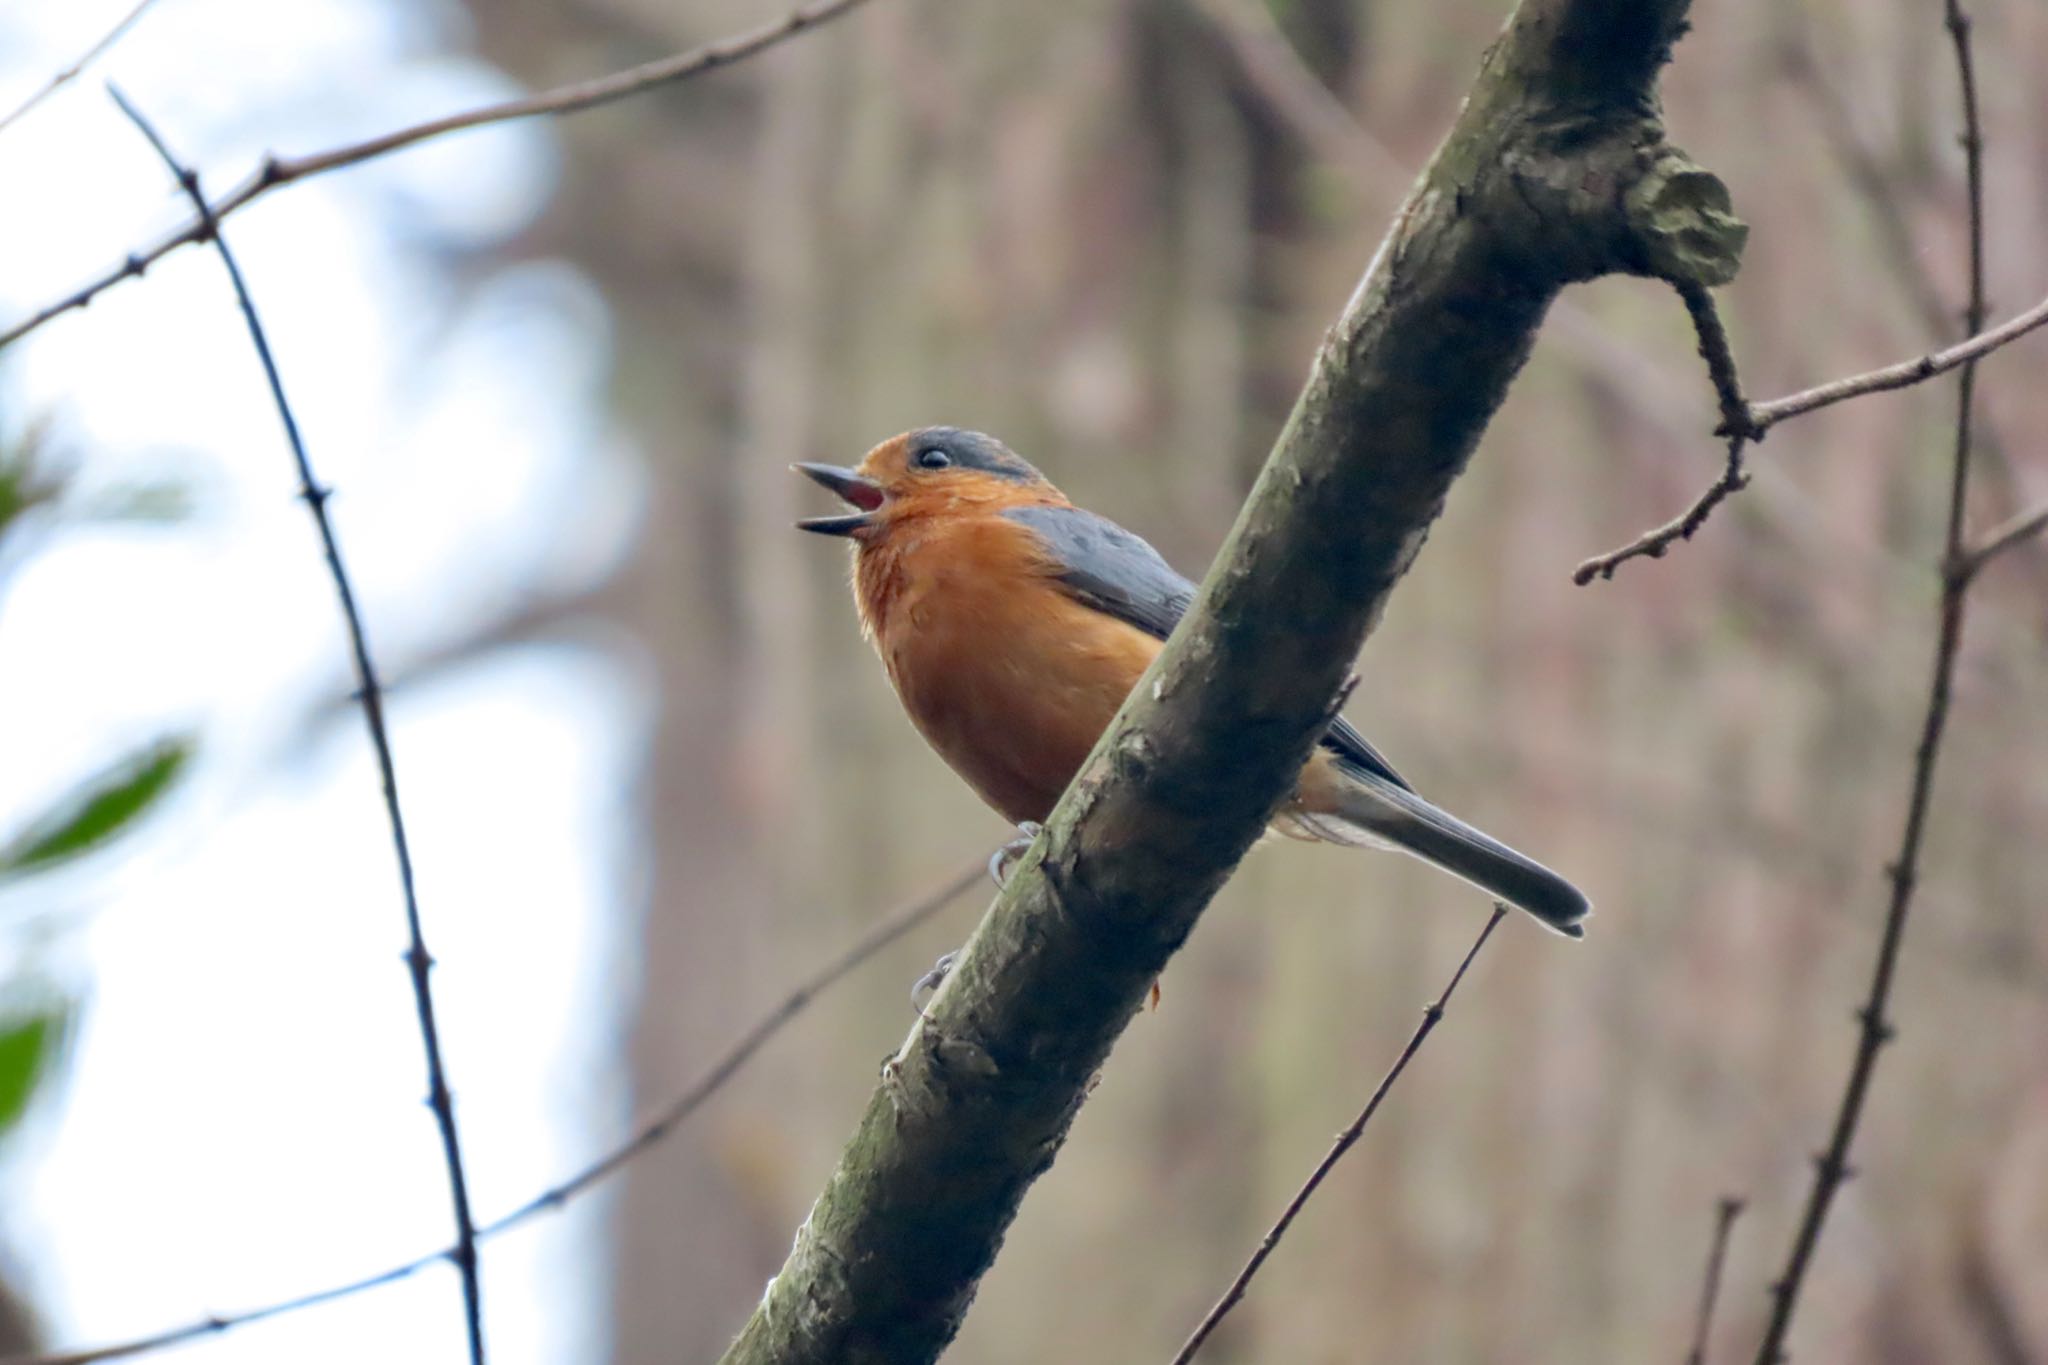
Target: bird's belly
(1014,695)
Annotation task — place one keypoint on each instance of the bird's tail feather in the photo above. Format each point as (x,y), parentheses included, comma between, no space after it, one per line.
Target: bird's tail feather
(1374,812)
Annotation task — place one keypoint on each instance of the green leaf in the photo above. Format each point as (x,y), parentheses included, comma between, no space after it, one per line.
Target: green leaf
(98,808)
(25,481)
(27,1047)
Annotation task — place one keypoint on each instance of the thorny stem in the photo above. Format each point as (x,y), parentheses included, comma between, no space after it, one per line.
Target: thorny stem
(1831,1167)
(371,694)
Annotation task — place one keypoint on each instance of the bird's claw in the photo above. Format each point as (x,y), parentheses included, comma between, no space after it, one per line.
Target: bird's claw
(1003,859)
(922,990)
(999,864)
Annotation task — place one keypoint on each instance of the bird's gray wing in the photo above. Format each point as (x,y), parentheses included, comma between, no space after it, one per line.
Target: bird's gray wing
(1109,569)
(1358,751)
(1117,573)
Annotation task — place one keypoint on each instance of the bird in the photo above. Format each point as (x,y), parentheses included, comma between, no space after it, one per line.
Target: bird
(1013,624)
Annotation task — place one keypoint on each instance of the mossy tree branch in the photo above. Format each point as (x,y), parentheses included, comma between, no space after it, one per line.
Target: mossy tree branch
(1556,170)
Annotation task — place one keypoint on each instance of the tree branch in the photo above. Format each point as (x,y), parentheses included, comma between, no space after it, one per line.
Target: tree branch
(1831,1167)
(1652,543)
(1735,424)
(1755,419)
(563,99)
(1431,1017)
(892,927)
(1867,175)
(1729,1209)
(1881,184)
(1556,170)
(371,693)
(2005,536)
(1903,375)
(85,59)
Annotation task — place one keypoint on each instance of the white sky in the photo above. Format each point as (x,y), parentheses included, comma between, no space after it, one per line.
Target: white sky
(241,1116)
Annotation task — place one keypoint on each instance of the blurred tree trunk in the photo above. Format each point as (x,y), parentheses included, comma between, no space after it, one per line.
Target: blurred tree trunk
(657,194)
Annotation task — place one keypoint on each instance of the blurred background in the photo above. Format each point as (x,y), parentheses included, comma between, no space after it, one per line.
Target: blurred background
(556,372)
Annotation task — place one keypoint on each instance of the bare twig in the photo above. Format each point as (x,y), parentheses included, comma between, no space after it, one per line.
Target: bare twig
(1652,543)
(417,959)
(1831,1167)
(771,1023)
(1279,76)
(1879,185)
(1726,1213)
(893,927)
(1714,349)
(178,1336)
(1736,425)
(85,59)
(1431,1017)
(564,99)
(1903,375)
(2005,536)
(1868,176)
(1761,417)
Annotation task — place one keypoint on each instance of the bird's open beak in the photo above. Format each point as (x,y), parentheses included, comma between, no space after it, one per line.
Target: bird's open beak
(857,489)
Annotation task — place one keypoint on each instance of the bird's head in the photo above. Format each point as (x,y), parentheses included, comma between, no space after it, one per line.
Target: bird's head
(927,472)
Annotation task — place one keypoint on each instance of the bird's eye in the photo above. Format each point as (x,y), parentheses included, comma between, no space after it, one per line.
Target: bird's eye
(932,457)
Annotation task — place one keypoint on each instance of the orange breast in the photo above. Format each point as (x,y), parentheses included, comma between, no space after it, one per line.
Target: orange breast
(1007,677)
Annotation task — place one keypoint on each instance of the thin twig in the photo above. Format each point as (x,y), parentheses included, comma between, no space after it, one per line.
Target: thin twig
(1831,1167)
(1763,416)
(1736,425)
(1652,543)
(1431,1017)
(85,59)
(1903,375)
(771,1023)
(1878,183)
(2005,536)
(1714,349)
(893,927)
(563,99)
(1865,173)
(1728,1211)
(416,957)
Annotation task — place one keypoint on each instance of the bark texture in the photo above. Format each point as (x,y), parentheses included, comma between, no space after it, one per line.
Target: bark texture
(1556,170)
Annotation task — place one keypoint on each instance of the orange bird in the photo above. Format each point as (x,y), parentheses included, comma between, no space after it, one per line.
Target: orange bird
(1013,625)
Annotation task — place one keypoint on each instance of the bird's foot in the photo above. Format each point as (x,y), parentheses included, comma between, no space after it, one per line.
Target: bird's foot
(1003,859)
(925,987)
(999,864)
